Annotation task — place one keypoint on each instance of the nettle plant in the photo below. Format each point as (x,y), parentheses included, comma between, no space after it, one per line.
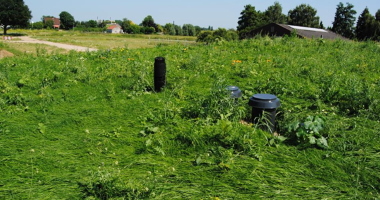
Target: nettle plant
(308,133)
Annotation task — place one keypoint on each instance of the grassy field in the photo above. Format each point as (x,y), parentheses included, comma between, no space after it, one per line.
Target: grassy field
(89,126)
(33,49)
(107,41)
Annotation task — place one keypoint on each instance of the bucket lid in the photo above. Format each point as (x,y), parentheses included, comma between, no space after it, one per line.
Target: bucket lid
(264,101)
(234,91)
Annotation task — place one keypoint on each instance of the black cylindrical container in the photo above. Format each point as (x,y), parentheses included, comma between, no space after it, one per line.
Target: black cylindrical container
(264,108)
(159,73)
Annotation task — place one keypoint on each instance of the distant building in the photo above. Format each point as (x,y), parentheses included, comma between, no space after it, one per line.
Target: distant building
(114,28)
(280,30)
(56,21)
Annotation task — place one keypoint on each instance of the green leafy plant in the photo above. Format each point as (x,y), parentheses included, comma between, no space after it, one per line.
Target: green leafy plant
(308,133)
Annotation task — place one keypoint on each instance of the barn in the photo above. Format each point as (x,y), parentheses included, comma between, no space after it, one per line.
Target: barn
(279,30)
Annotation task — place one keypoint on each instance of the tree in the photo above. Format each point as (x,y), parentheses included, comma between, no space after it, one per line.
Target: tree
(48,24)
(321,25)
(169,29)
(303,15)
(198,29)
(218,35)
(377,15)
(67,20)
(344,20)
(149,22)
(14,13)
(377,25)
(205,36)
(91,24)
(47,21)
(129,27)
(37,25)
(274,14)
(188,30)
(365,26)
(147,30)
(178,30)
(249,20)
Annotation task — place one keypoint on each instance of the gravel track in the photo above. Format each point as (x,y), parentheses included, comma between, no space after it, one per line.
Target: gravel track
(26,39)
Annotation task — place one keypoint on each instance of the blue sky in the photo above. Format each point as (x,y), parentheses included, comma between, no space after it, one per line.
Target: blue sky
(203,13)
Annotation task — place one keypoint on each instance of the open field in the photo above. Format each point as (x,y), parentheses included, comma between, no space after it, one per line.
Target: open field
(33,49)
(106,41)
(87,125)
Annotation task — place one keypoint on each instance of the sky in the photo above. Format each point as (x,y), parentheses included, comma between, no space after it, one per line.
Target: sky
(203,13)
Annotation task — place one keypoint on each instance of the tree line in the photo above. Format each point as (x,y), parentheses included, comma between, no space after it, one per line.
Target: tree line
(147,26)
(14,13)
(367,26)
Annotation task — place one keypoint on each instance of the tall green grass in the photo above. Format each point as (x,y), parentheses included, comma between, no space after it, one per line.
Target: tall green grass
(89,126)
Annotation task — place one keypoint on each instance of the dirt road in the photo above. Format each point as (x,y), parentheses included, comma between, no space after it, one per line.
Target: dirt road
(26,39)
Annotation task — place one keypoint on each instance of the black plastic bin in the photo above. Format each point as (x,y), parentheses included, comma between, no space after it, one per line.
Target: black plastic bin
(159,73)
(264,104)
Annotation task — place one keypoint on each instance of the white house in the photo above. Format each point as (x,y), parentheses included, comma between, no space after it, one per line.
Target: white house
(114,28)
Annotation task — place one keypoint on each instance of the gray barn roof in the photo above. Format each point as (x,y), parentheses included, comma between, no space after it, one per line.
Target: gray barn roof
(274,29)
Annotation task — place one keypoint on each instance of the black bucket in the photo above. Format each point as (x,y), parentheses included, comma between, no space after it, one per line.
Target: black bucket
(264,108)
(159,73)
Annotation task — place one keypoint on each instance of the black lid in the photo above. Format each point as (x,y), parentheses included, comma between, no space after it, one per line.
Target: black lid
(234,91)
(265,101)
(159,59)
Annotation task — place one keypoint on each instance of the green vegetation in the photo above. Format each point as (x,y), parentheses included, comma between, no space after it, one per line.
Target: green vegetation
(88,125)
(344,20)
(103,41)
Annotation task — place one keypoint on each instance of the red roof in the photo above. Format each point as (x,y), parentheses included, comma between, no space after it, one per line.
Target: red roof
(113,26)
(56,21)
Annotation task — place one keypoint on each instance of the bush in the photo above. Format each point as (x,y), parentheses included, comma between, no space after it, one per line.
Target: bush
(218,35)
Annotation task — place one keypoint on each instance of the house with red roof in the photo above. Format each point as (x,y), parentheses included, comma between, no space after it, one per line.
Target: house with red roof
(114,28)
(56,22)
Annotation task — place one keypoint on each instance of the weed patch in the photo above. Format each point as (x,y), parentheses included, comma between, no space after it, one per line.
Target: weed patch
(88,125)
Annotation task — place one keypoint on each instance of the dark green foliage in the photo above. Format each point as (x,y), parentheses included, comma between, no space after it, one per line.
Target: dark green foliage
(344,20)
(308,132)
(249,20)
(321,25)
(219,35)
(303,15)
(67,20)
(188,30)
(147,30)
(129,27)
(365,27)
(92,24)
(14,13)
(169,29)
(377,25)
(274,14)
(148,23)
(37,25)
(48,24)
(178,30)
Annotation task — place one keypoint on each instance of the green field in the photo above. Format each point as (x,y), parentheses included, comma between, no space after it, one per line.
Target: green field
(106,41)
(89,126)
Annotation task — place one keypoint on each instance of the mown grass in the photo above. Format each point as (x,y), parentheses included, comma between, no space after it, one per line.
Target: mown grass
(88,125)
(107,41)
(33,49)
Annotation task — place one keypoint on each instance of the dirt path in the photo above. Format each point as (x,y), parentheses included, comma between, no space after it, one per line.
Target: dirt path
(26,39)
